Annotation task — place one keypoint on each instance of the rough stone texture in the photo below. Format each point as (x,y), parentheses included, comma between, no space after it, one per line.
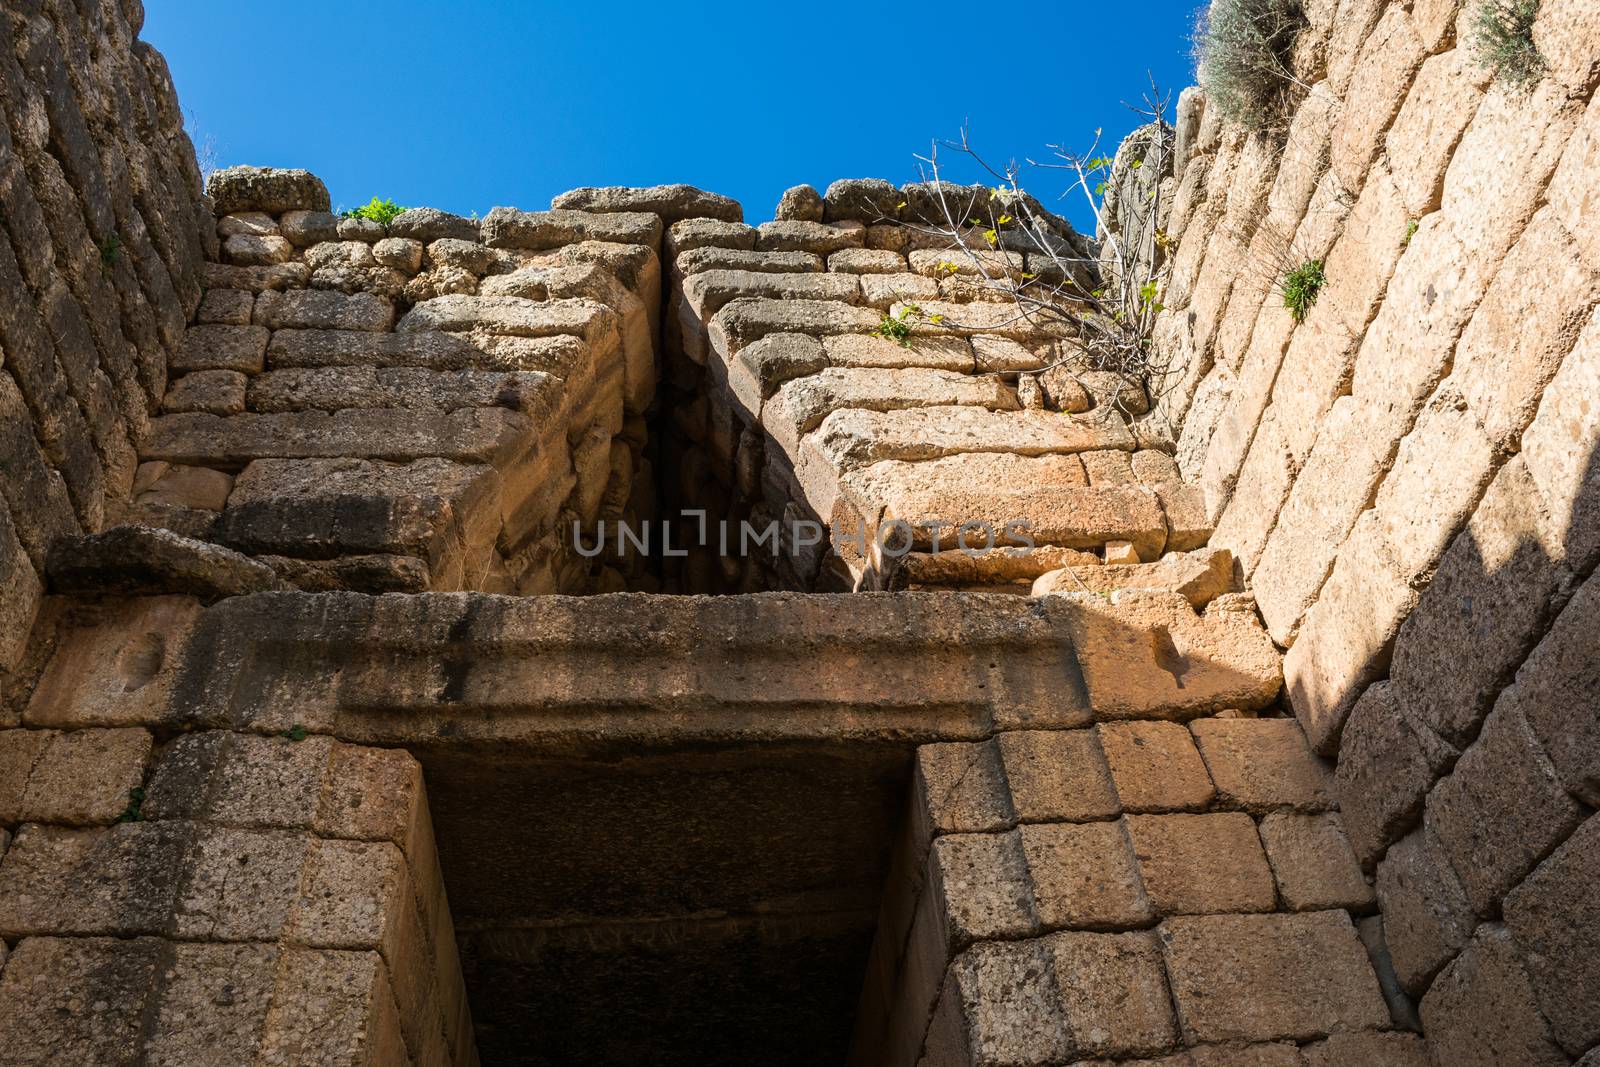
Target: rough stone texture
(140,561)
(1084,876)
(1260,764)
(270,189)
(1552,916)
(1155,767)
(1265,977)
(1201,864)
(1482,1010)
(1426,915)
(1313,863)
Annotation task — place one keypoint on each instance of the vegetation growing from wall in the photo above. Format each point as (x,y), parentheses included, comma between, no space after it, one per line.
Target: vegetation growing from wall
(1300,287)
(1242,53)
(1502,35)
(382,212)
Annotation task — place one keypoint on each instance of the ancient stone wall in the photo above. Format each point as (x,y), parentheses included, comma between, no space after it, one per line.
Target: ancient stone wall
(102,236)
(1409,477)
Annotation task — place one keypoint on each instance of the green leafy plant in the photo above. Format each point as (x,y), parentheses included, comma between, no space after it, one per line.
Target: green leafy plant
(379,211)
(132,812)
(1300,287)
(1242,51)
(1411,231)
(110,252)
(896,328)
(294,733)
(1502,35)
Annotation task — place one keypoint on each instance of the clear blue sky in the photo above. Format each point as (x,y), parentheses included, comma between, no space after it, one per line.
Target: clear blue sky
(466,104)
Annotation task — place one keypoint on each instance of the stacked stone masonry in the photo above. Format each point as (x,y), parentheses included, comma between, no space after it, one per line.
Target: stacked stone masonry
(1408,478)
(1119,815)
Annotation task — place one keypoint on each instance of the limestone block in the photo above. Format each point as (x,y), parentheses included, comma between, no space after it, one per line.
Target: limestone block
(1114,997)
(469,256)
(745,321)
(239,780)
(269,189)
(357,228)
(689,234)
(230,307)
(1347,639)
(1384,70)
(254,223)
(1057,774)
(1155,767)
(866,261)
(863,199)
(1558,448)
(77,1000)
(340,348)
(855,350)
(979,884)
(306,228)
(217,392)
(998,1006)
(1265,977)
(249,250)
(672,202)
(237,348)
(1564,33)
(131,560)
(961,788)
(210,1001)
(1440,103)
(183,487)
(540,230)
(254,279)
(401,253)
(313,310)
(1482,1009)
(1553,917)
(511,316)
(885,290)
(800,203)
(1201,864)
(801,404)
(815,237)
(1426,915)
(333,1005)
(1200,576)
(707,257)
(853,439)
(1487,605)
(25,593)
(1263,764)
(1384,772)
(1555,692)
(1572,195)
(1313,863)
(1500,810)
(710,290)
(77,778)
(1003,355)
(1388,1049)
(425,224)
(1084,875)
(1148,655)
(473,434)
(320,508)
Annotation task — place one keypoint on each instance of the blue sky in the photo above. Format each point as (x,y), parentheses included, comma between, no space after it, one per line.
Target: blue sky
(467,104)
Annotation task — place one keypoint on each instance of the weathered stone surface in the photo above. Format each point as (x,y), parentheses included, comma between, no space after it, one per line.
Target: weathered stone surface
(672,202)
(1113,993)
(1383,774)
(469,256)
(507,227)
(229,307)
(855,350)
(77,1000)
(862,199)
(801,404)
(1263,764)
(1555,916)
(981,883)
(249,250)
(255,279)
(254,223)
(745,321)
(305,228)
(1265,977)
(853,439)
(1482,1010)
(140,561)
(477,434)
(999,1006)
(704,258)
(1056,774)
(1556,692)
(962,789)
(401,253)
(236,348)
(344,348)
(1313,863)
(1084,876)
(1201,864)
(330,507)
(336,388)
(1426,915)
(707,233)
(1155,767)
(1368,1047)
(77,778)
(710,290)
(269,189)
(428,224)
(800,203)
(815,237)
(1501,809)
(312,310)
(219,392)
(1200,576)
(514,316)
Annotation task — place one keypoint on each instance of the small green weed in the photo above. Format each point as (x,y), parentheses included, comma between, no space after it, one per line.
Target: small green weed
(294,733)
(379,211)
(1300,287)
(1411,231)
(110,252)
(132,812)
(1502,34)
